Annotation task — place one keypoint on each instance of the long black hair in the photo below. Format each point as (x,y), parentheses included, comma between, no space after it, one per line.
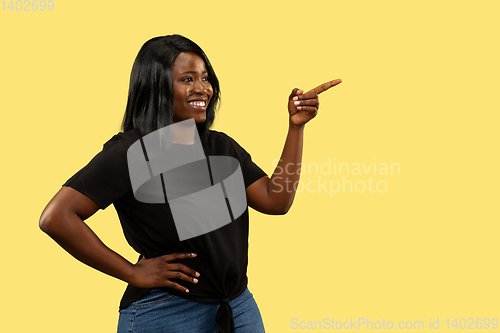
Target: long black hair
(150,103)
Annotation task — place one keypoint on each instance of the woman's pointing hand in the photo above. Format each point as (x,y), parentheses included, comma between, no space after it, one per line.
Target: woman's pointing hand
(303,107)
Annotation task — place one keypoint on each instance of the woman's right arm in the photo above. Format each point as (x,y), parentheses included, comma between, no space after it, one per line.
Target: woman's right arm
(63,220)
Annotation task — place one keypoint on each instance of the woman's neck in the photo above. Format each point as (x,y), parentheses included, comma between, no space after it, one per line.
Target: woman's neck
(184,132)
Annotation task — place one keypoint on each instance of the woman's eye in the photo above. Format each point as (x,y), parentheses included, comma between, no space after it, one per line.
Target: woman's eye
(190,79)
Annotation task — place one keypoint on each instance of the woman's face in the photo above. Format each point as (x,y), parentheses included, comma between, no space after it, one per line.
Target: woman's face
(192,91)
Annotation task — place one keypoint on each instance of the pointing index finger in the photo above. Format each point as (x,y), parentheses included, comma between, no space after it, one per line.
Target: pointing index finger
(325,86)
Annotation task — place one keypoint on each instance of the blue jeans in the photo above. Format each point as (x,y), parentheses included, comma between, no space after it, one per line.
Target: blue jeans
(160,312)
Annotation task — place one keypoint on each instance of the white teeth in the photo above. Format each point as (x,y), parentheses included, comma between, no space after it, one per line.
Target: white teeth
(197,103)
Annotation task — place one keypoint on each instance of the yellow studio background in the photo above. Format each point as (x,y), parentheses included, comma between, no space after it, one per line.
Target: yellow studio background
(419,93)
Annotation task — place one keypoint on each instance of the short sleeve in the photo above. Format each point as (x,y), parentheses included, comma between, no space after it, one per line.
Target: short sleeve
(105,179)
(251,171)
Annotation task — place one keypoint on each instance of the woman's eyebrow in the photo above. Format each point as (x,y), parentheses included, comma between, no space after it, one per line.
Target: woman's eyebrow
(193,72)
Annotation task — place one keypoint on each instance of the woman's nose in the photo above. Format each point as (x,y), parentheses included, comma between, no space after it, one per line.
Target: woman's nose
(199,87)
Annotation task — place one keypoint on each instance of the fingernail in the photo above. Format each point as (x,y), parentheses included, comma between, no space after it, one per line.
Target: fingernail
(187,290)
(295,98)
(193,254)
(299,107)
(195,280)
(296,102)
(197,274)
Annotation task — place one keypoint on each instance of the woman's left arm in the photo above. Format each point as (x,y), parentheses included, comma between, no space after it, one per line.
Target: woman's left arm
(275,195)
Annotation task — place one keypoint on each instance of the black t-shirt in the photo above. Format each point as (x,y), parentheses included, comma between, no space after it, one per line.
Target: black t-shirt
(222,254)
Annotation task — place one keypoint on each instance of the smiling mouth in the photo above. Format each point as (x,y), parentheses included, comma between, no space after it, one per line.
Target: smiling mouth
(199,105)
